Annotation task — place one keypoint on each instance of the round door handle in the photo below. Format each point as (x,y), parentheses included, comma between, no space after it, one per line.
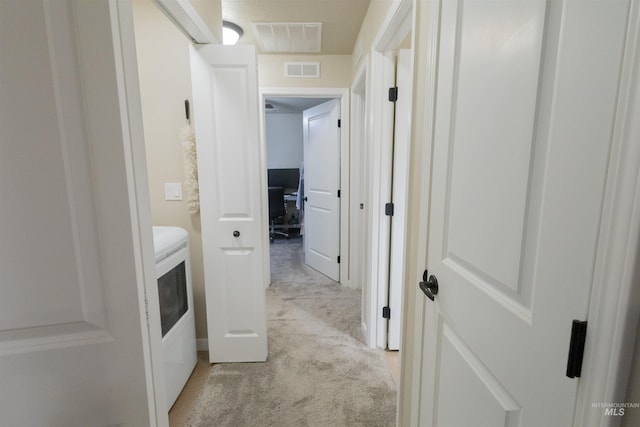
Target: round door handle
(236,233)
(305,198)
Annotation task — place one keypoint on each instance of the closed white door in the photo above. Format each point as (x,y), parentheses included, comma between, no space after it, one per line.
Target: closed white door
(73,344)
(225,107)
(526,97)
(322,188)
(400,183)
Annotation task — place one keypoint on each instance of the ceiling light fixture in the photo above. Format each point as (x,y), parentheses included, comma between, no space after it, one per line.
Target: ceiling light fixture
(231,33)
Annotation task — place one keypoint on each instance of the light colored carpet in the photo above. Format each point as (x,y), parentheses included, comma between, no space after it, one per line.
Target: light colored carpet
(318,373)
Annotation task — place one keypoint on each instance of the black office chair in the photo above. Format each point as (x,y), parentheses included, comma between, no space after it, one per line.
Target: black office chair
(277,212)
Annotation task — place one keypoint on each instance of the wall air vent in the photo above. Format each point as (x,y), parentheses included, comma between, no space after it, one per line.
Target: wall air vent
(302,69)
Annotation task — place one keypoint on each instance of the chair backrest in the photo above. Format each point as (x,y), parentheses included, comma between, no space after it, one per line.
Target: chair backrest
(276,202)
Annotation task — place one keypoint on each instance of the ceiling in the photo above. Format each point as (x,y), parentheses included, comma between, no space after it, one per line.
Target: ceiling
(292,105)
(340,19)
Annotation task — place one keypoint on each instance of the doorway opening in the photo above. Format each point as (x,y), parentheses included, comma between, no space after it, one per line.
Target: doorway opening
(288,129)
(302,141)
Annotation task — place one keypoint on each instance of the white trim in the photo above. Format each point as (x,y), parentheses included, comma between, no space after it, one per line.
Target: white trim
(424,39)
(613,310)
(360,109)
(394,29)
(187,19)
(343,95)
(130,104)
(383,77)
(136,164)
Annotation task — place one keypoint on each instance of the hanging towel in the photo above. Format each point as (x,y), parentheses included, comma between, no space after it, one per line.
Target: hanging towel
(188,138)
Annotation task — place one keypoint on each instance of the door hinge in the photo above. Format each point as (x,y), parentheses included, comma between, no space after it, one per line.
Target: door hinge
(388,209)
(338,259)
(146,306)
(338,193)
(339,123)
(386,313)
(393,94)
(576,348)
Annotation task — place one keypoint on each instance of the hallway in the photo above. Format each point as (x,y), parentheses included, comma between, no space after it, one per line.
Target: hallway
(319,372)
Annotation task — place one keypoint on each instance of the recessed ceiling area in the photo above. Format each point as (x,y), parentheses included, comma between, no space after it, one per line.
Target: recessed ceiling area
(292,105)
(340,22)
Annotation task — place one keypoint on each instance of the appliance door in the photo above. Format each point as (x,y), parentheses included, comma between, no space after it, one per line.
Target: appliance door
(177,320)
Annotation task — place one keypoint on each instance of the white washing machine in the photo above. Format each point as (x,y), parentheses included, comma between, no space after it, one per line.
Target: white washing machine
(173,271)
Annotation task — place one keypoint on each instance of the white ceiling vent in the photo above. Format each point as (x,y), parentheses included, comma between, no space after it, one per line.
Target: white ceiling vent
(289,37)
(302,69)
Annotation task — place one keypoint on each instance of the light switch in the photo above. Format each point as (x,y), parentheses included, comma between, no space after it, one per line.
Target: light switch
(172,191)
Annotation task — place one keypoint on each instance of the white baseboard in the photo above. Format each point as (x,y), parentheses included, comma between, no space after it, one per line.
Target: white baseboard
(202,344)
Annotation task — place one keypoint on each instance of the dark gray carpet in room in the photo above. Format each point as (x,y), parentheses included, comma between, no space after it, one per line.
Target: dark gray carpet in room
(318,373)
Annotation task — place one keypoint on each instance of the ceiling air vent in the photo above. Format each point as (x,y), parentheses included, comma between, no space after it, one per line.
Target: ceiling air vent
(289,37)
(302,69)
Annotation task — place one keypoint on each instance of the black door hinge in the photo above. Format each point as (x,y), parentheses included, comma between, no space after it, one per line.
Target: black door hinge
(388,209)
(338,193)
(338,259)
(386,313)
(576,348)
(393,94)
(339,123)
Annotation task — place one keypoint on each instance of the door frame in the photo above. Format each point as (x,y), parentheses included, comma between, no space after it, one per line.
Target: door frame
(330,93)
(360,167)
(130,104)
(612,314)
(398,22)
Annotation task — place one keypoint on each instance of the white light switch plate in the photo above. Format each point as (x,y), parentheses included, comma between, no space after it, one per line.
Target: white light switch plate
(172,191)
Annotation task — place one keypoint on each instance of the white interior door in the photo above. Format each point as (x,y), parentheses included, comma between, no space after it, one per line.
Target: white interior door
(225,102)
(401,139)
(73,341)
(526,100)
(322,187)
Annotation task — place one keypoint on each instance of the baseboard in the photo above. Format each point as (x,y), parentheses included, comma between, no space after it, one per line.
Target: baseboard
(202,344)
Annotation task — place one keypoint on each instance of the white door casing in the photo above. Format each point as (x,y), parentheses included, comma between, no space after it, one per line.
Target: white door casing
(521,143)
(358,229)
(393,31)
(401,140)
(225,99)
(74,259)
(321,139)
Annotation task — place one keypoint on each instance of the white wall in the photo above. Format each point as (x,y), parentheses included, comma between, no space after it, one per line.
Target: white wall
(284,141)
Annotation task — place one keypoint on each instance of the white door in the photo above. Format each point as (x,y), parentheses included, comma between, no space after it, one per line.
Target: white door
(73,341)
(400,182)
(225,107)
(322,188)
(526,97)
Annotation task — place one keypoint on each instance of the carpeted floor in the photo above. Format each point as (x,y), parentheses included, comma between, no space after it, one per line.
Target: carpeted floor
(318,373)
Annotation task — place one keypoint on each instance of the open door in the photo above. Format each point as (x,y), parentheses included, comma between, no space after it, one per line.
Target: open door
(523,130)
(225,105)
(74,348)
(400,182)
(321,127)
